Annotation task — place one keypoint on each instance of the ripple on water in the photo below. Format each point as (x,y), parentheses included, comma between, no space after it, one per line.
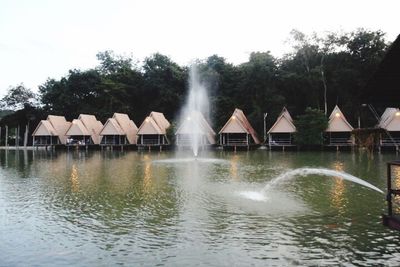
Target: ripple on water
(189,160)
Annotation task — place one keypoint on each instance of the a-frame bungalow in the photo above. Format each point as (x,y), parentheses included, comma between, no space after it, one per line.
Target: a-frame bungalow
(390,123)
(153,131)
(238,132)
(339,131)
(281,132)
(84,131)
(51,132)
(195,124)
(119,130)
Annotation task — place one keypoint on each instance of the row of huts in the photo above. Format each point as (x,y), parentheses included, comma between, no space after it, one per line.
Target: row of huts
(120,130)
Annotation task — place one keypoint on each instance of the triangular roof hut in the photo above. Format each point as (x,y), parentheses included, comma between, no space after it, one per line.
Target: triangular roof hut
(111,127)
(127,125)
(195,123)
(44,128)
(61,126)
(390,120)
(53,126)
(337,122)
(283,124)
(238,123)
(92,125)
(155,124)
(77,128)
(120,124)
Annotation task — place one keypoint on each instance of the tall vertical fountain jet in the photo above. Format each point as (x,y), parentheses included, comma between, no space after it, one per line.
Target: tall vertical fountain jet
(196,107)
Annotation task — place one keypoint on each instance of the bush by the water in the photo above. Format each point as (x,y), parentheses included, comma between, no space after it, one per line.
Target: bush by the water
(310,127)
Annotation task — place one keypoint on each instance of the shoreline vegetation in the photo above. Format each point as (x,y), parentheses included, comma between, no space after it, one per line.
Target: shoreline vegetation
(321,72)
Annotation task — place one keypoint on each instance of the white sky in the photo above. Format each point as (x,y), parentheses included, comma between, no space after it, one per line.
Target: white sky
(46,38)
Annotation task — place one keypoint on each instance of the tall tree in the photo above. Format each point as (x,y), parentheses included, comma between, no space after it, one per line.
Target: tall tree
(163,86)
(18,97)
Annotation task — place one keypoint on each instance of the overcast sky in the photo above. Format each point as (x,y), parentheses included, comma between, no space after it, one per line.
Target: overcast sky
(46,38)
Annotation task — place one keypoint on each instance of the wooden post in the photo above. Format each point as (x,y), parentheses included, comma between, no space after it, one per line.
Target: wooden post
(389,190)
(248,146)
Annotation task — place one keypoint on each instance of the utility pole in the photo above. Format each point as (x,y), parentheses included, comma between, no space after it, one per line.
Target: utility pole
(265,127)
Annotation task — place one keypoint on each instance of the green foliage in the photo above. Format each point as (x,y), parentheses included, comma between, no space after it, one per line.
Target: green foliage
(4,113)
(171,132)
(310,127)
(17,97)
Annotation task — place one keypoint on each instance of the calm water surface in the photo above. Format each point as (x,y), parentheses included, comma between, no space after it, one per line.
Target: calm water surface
(133,208)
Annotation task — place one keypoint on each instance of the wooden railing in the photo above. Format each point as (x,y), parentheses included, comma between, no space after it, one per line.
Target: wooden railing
(150,142)
(236,142)
(390,142)
(77,142)
(280,142)
(340,141)
(43,143)
(112,142)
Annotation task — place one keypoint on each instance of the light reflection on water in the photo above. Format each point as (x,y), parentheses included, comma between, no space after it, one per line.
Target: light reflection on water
(105,208)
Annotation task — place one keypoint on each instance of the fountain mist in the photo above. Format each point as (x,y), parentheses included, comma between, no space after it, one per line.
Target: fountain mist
(197,102)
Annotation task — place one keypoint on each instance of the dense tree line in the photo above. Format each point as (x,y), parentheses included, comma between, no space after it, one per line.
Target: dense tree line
(319,73)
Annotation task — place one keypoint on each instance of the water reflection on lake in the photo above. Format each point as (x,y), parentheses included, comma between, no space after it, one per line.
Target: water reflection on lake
(140,208)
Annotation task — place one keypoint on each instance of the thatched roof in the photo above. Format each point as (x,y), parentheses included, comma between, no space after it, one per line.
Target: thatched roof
(155,123)
(283,124)
(127,125)
(77,128)
(61,126)
(390,120)
(337,122)
(53,126)
(92,125)
(238,123)
(44,128)
(111,127)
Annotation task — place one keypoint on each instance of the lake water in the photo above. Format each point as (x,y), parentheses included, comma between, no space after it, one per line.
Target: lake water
(148,209)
